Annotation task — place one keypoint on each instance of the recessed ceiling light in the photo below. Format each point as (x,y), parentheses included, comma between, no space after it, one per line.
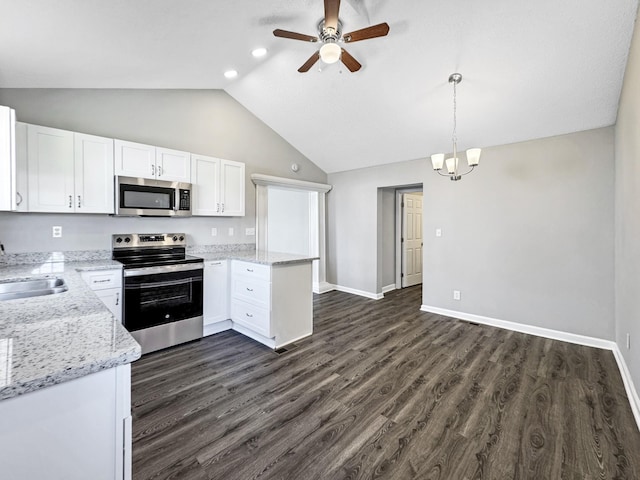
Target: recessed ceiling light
(259,52)
(231,74)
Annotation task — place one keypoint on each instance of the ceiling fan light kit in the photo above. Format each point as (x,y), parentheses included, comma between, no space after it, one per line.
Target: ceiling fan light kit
(473,154)
(330,34)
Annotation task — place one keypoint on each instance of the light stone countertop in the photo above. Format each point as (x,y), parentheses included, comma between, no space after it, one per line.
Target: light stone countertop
(51,339)
(257,256)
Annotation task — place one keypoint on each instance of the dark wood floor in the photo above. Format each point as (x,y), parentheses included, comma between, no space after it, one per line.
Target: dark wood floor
(382,390)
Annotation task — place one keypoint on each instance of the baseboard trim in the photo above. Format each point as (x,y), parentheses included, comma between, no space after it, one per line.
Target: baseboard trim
(523,328)
(632,393)
(388,288)
(323,287)
(361,293)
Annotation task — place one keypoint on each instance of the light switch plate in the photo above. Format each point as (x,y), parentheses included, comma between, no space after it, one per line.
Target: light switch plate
(438,232)
(231,231)
(214,232)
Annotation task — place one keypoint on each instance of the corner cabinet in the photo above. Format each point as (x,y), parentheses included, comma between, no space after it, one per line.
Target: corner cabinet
(146,161)
(69,172)
(272,304)
(218,187)
(107,285)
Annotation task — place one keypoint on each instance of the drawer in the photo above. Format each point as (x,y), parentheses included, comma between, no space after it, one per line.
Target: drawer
(251,316)
(252,270)
(101,279)
(250,290)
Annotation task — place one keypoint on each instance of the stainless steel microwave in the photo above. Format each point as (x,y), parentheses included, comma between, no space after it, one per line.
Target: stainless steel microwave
(153,198)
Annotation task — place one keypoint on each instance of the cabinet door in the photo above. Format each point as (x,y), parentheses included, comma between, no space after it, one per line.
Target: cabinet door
(232,188)
(50,165)
(205,179)
(112,298)
(173,165)
(22,177)
(7,158)
(216,291)
(93,174)
(135,159)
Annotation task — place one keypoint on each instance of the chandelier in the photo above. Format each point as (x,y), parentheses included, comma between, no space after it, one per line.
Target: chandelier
(473,154)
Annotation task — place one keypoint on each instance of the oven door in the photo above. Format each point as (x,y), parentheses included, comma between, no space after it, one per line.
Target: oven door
(159,295)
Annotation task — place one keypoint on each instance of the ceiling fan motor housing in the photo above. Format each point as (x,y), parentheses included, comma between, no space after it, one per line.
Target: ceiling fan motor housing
(329,34)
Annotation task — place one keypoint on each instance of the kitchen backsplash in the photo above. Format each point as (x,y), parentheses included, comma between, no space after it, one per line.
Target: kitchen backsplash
(90,255)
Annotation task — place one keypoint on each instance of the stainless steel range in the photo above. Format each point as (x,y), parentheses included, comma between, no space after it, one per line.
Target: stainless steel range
(162,289)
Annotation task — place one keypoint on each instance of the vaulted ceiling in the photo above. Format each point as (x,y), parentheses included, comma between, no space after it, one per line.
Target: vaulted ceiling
(530,69)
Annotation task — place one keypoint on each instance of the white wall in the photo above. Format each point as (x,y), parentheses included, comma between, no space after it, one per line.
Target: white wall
(208,122)
(288,221)
(627,213)
(353,235)
(528,236)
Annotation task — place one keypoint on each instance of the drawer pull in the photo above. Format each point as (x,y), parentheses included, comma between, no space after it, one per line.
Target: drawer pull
(249,289)
(250,270)
(249,315)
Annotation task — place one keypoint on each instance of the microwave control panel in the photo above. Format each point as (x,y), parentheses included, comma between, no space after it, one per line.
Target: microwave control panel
(185,200)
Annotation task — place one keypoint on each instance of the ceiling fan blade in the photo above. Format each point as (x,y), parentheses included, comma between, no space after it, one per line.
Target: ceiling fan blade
(331,9)
(309,63)
(293,35)
(374,31)
(351,63)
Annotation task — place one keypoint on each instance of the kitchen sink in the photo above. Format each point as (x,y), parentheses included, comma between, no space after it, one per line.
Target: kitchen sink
(31,287)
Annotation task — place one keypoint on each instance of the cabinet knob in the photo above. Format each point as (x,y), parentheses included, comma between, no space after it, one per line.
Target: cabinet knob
(249,269)
(153,170)
(70,201)
(159,170)
(117,298)
(249,289)
(79,201)
(223,207)
(217,207)
(18,198)
(249,315)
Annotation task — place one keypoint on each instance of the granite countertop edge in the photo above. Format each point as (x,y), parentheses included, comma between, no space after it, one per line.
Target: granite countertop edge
(29,323)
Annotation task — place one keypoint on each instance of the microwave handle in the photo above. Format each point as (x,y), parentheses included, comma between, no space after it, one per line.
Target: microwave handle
(176,201)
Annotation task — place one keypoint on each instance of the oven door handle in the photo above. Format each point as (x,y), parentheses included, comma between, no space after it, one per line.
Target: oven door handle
(168,283)
(183,267)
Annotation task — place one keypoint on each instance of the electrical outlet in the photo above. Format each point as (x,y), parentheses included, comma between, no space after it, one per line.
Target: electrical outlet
(249,231)
(214,232)
(456,294)
(56,232)
(231,231)
(628,341)
(438,232)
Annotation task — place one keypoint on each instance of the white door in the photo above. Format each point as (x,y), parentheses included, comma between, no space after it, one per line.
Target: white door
(50,165)
(411,239)
(173,165)
(232,188)
(93,174)
(205,185)
(135,159)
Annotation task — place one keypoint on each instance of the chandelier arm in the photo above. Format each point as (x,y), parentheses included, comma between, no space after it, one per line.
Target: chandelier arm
(443,174)
(468,171)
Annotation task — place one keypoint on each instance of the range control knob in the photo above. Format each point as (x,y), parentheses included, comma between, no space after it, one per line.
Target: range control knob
(127,239)
(119,240)
(181,238)
(175,239)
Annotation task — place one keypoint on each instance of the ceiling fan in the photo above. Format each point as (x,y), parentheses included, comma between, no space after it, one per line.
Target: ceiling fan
(330,33)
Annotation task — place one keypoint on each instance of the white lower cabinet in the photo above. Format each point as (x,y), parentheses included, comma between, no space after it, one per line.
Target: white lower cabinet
(76,430)
(216,297)
(272,304)
(107,285)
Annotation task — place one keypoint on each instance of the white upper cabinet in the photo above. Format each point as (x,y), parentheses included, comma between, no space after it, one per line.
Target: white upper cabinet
(50,166)
(93,166)
(69,172)
(7,159)
(217,187)
(173,165)
(22,177)
(135,159)
(146,161)
(232,188)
